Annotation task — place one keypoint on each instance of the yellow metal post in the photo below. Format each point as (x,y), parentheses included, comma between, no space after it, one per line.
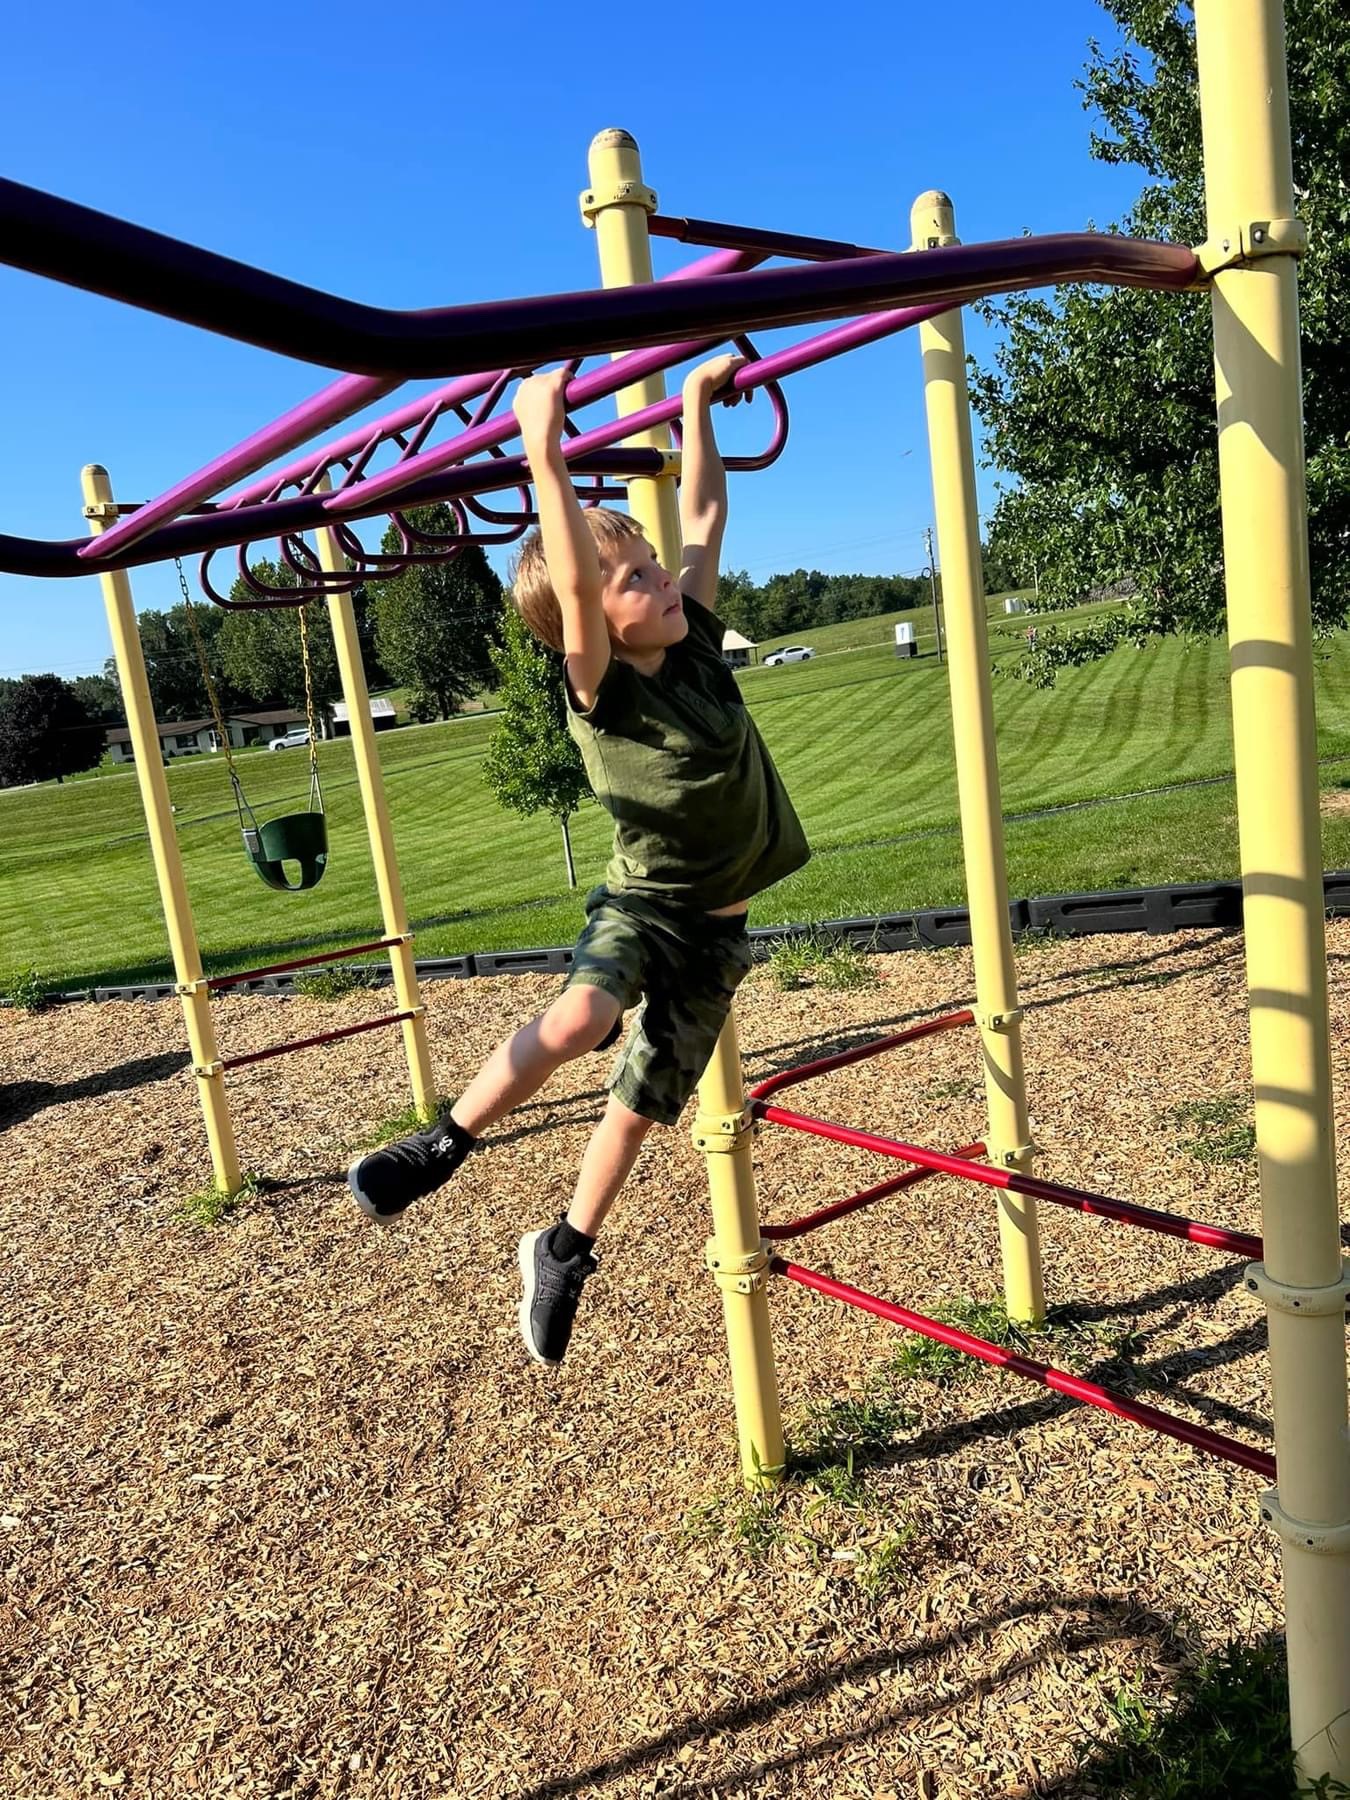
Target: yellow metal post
(101,512)
(942,341)
(370,779)
(617,203)
(1303,1281)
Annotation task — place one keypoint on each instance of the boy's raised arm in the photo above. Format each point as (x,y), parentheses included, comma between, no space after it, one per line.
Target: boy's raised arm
(569,549)
(703,483)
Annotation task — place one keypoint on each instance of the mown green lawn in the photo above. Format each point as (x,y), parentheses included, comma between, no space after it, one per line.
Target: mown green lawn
(863,740)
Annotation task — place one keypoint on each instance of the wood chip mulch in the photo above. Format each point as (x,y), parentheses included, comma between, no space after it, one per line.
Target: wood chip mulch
(286,1513)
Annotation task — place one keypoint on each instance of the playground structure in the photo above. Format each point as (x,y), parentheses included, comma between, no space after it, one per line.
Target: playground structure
(1248,265)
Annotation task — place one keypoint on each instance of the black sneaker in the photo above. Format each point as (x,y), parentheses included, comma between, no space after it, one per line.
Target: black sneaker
(552,1290)
(388,1180)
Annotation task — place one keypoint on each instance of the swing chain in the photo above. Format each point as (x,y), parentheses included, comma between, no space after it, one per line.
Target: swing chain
(315,792)
(217,713)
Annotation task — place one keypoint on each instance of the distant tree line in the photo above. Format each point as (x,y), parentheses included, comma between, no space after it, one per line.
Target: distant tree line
(437,631)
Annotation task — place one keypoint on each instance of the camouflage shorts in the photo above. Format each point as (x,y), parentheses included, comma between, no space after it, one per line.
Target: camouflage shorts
(685,967)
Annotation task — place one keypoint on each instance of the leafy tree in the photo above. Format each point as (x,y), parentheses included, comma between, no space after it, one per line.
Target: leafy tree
(101,698)
(532,764)
(171,664)
(46,732)
(434,624)
(259,650)
(1100,403)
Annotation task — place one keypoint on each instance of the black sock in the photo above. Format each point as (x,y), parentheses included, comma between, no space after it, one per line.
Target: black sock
(568,1242)
(461,1139)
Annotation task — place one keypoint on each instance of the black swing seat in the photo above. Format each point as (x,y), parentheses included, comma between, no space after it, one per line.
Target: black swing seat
(300,838)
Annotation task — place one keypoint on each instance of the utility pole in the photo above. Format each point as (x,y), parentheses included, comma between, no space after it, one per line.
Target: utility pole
(932,583)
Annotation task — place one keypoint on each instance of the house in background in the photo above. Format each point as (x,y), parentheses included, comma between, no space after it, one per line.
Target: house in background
(737,652)
(197,737)
(382,716)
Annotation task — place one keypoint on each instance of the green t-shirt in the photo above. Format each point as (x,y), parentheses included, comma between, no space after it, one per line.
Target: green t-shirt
(700,814)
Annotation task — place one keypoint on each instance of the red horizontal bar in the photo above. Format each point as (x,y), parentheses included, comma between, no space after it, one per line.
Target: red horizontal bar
(1059,1381)
(324,1037)
(1123,1212)
(300,962)
(824,1215)
(808,1071)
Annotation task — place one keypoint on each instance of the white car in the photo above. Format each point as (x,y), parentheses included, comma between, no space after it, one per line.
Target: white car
(293,740)
(793,653)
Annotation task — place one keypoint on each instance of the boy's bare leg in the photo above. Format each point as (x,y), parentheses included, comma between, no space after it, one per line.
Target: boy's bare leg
(609,1158)
(577,1021)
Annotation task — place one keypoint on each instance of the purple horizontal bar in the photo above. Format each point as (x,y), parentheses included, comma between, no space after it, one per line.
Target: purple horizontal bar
(601,382)
(88,249)
(589,453)
(339,401)
(749,237)
(59,558)
(721,262)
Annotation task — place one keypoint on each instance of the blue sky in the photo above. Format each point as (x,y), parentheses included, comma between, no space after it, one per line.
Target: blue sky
(432,154)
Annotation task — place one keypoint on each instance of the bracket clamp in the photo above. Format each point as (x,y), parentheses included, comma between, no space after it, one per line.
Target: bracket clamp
(1018,1156)
(1236,245)
(999,1021)
(720,1134)
(211,1071)
(1308,1302)
(186,990)
(736,1274)
(623,193)
(1299,1534)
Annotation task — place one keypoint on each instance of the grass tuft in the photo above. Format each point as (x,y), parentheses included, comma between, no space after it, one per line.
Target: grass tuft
(403,1124)
(821,960)
(1224,1735)
(334,982)
(1221,1132)
(211,1206)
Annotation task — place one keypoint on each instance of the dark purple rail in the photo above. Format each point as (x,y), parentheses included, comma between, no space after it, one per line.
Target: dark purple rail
(89,250)
(339,402)
(299,962)
(323,1037)
(440,474)
(748,237)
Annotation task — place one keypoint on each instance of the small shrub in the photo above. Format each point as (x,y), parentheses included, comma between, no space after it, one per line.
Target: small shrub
(333,982)
(26,990)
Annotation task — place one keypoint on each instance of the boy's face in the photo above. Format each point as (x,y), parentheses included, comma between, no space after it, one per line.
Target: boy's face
(643,608)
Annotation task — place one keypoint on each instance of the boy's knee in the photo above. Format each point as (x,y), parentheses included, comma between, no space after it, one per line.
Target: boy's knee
(580,1020)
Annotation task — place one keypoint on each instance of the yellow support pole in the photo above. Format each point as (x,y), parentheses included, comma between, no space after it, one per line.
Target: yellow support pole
(1253,237)
(616,204)
(101,512)
(370,779)
(942,341)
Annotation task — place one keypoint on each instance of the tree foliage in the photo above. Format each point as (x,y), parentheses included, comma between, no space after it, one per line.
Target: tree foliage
(532,763)
(1100,402)
(46,732)
(435,623)
(259,652)
(796,601)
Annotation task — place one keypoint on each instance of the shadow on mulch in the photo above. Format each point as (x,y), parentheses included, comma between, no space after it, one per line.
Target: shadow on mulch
(1158,1379)
(1113,1773)
(1127,974)
(25,1099)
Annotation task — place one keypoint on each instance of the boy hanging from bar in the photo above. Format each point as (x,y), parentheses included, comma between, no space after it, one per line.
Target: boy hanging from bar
(702,823)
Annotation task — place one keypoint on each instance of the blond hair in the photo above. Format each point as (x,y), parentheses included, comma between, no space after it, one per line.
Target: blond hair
(531,588)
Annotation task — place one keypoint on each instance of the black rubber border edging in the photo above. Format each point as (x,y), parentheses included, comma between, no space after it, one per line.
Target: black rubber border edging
(1156,910)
